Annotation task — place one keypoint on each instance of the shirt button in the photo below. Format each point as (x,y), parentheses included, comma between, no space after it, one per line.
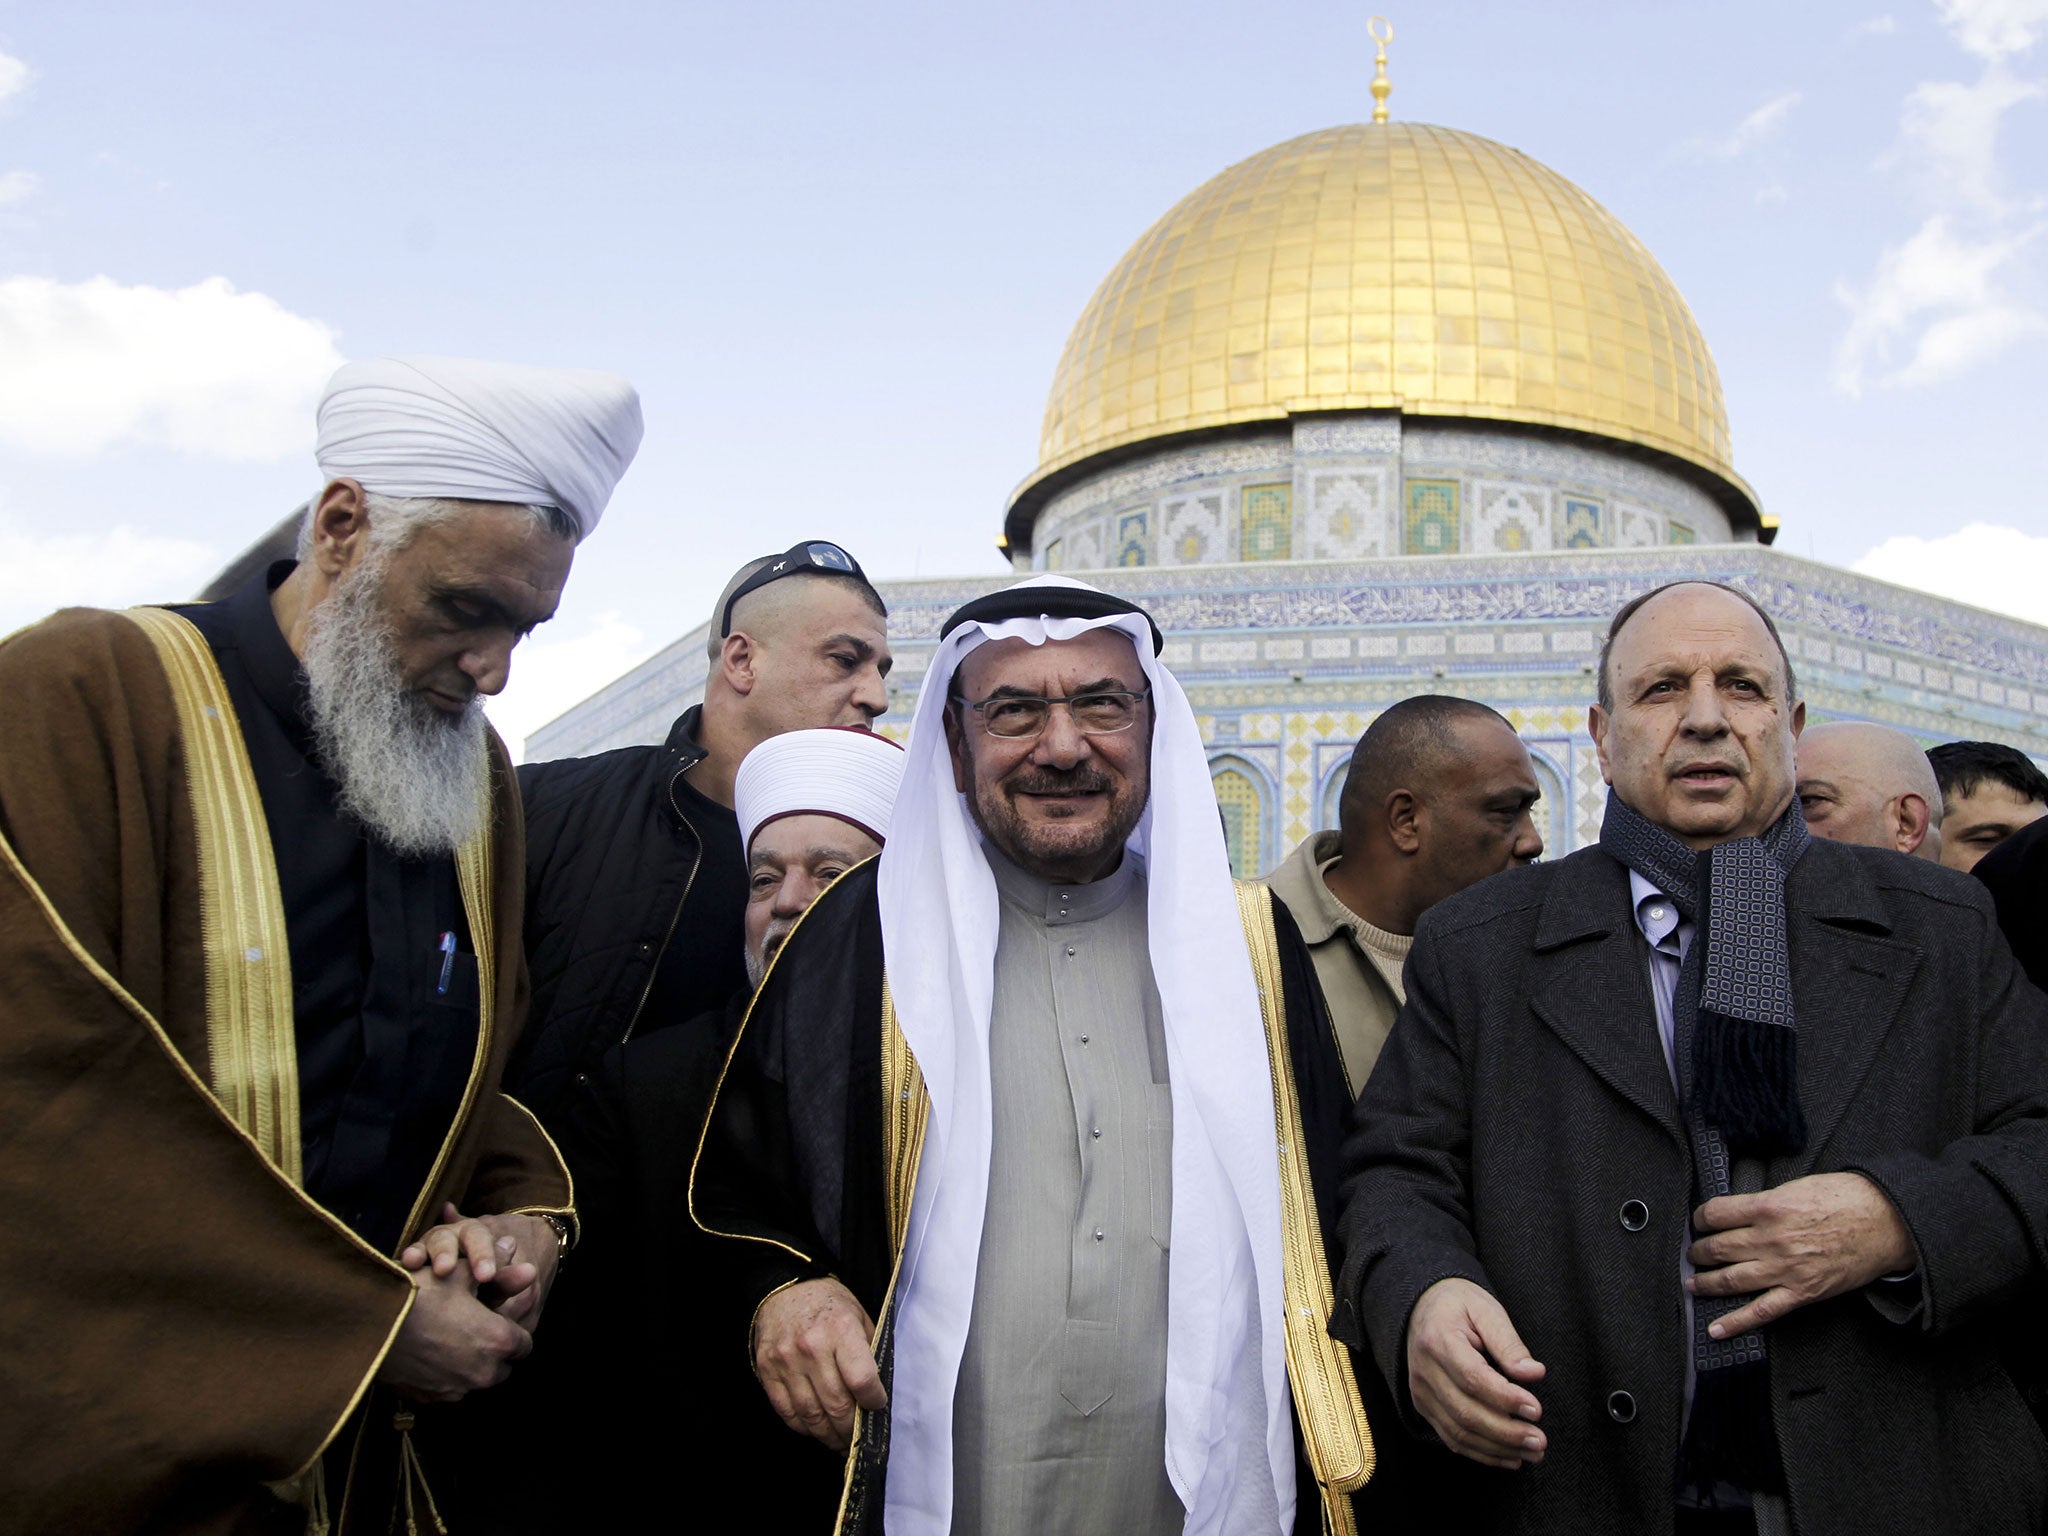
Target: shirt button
(1070,951)
(1657,914)
(1096,1133)
(1098,1234)
(1084,1039)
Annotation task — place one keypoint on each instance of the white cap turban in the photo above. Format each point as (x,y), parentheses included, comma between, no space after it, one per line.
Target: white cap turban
(840,771)
(452,426)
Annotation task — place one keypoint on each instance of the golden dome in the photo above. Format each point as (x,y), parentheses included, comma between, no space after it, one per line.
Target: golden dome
(1380,267)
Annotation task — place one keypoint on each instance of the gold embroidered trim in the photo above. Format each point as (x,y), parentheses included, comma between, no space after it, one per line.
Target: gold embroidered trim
(1339,1441)
(906,1112)
(252,1052)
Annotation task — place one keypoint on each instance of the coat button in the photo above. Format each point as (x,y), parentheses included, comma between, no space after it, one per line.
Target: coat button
(1634,1215)
(1621,1407)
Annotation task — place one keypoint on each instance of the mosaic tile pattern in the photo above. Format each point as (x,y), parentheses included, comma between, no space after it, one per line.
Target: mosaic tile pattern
(1509,518)
(1266,522)
(1132,545)
(1191,530)
(1346,514)
(1344,503)
(1580,524)
(1429,522)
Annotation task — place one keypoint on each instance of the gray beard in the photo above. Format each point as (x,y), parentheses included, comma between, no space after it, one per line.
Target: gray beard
(407,771)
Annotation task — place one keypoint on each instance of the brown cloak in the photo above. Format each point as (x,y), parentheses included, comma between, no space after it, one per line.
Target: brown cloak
(179,1323)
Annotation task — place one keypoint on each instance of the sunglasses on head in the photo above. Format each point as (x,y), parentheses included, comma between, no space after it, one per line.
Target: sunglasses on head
(810,557)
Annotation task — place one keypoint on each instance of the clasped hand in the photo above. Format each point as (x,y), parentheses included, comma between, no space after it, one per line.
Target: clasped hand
(481,1282)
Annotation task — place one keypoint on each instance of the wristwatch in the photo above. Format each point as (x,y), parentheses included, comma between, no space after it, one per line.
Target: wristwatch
(564,1237)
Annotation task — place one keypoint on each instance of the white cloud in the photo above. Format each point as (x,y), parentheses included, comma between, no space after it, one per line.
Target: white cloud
(1945,287)
(1952,295)
(1948,137)
(41,572)
(550,673)
(14,76)
(204,370)
(1985,564)
(1755,129)
(1994,29)
(15,186)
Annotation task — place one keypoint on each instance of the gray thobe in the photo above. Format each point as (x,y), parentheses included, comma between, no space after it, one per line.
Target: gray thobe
(1059,1421)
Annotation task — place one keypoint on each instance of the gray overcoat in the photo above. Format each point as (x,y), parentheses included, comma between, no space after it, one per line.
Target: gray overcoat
(1521,1131)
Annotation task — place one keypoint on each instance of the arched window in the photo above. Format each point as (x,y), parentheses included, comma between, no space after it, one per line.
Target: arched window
(1333,798)
(1552,812)
(1244,819)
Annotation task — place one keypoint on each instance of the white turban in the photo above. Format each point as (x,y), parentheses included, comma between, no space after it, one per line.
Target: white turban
(841,771)
(452,426)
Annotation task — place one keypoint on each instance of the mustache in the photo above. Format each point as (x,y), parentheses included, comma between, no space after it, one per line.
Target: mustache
(1062,781)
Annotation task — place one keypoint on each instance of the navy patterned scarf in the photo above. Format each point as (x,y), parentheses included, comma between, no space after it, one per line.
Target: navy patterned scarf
(1735,1048)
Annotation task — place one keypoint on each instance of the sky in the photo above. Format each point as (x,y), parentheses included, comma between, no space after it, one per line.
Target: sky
(839,250)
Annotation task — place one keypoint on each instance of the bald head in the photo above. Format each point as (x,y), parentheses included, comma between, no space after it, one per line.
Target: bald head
(1869,784)
(1438,798)
(807,650)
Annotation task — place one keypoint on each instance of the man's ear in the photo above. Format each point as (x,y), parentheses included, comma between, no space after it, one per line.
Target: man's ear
(1910,820)
(737,657)
(1596,726)
(341,528)
(1798,718)
(956,748)
(1404,821)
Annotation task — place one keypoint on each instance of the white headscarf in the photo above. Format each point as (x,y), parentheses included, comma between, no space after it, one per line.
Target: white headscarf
(1229,1425)
(840,770)
(452,426)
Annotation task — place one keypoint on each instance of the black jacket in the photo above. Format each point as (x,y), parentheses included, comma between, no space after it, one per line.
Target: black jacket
(610,857)
(1523,1101)
(2016,872)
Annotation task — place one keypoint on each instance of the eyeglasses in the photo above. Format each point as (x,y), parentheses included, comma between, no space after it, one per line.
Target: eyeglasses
(813,555)
(1017,718)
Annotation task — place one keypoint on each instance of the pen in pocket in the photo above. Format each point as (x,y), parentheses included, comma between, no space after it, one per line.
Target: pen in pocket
(447,963)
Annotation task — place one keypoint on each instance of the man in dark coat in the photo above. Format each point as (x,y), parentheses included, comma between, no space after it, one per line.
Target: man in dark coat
(1678,1244)
(634,876)
(635,887)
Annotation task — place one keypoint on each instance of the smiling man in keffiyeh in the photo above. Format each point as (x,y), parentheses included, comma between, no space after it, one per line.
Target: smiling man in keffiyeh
(1068,1156)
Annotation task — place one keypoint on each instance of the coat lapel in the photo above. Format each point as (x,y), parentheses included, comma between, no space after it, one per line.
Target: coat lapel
(1590,982)
(1849,976)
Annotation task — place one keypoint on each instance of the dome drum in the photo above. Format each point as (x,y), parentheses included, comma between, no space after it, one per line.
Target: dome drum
(1367,486)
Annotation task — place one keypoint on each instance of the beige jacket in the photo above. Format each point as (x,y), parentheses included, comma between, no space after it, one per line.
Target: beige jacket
(1357,965)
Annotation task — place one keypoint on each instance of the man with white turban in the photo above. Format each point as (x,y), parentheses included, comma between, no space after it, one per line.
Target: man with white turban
(1040,1151)
(261,879)
(812,805)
